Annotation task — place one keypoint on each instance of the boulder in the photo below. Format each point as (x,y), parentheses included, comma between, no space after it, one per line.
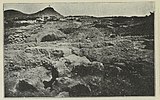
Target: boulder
(76,51)
(112,35)
(63,94)
(33,78)
(79,90)
(62,51)
(66,82)
(51,35)
(62,67)
(77,60)
(98,65)
(23,86)
(32,50)
(56,53)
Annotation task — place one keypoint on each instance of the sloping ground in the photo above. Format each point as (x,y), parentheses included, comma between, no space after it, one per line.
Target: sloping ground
(84,33)
(127,26)
(119,71)
(50,31)
(83,62)
(30,68)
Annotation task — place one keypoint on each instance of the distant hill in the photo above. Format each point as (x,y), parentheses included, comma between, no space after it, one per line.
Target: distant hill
(14,14)
(49,11)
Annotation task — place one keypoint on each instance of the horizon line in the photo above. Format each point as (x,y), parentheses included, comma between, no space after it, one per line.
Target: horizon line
(85,15)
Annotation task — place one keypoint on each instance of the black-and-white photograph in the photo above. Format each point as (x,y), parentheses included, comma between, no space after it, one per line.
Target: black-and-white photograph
(79,49)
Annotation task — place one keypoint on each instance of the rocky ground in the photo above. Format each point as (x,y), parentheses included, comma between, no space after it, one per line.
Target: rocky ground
(93,57)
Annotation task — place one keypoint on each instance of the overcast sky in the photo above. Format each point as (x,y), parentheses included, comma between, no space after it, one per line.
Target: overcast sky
(92,9)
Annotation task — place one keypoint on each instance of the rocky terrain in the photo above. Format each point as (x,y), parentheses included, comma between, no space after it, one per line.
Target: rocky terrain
(93,57)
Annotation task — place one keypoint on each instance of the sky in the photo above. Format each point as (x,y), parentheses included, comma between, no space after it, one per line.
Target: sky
(92,9)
